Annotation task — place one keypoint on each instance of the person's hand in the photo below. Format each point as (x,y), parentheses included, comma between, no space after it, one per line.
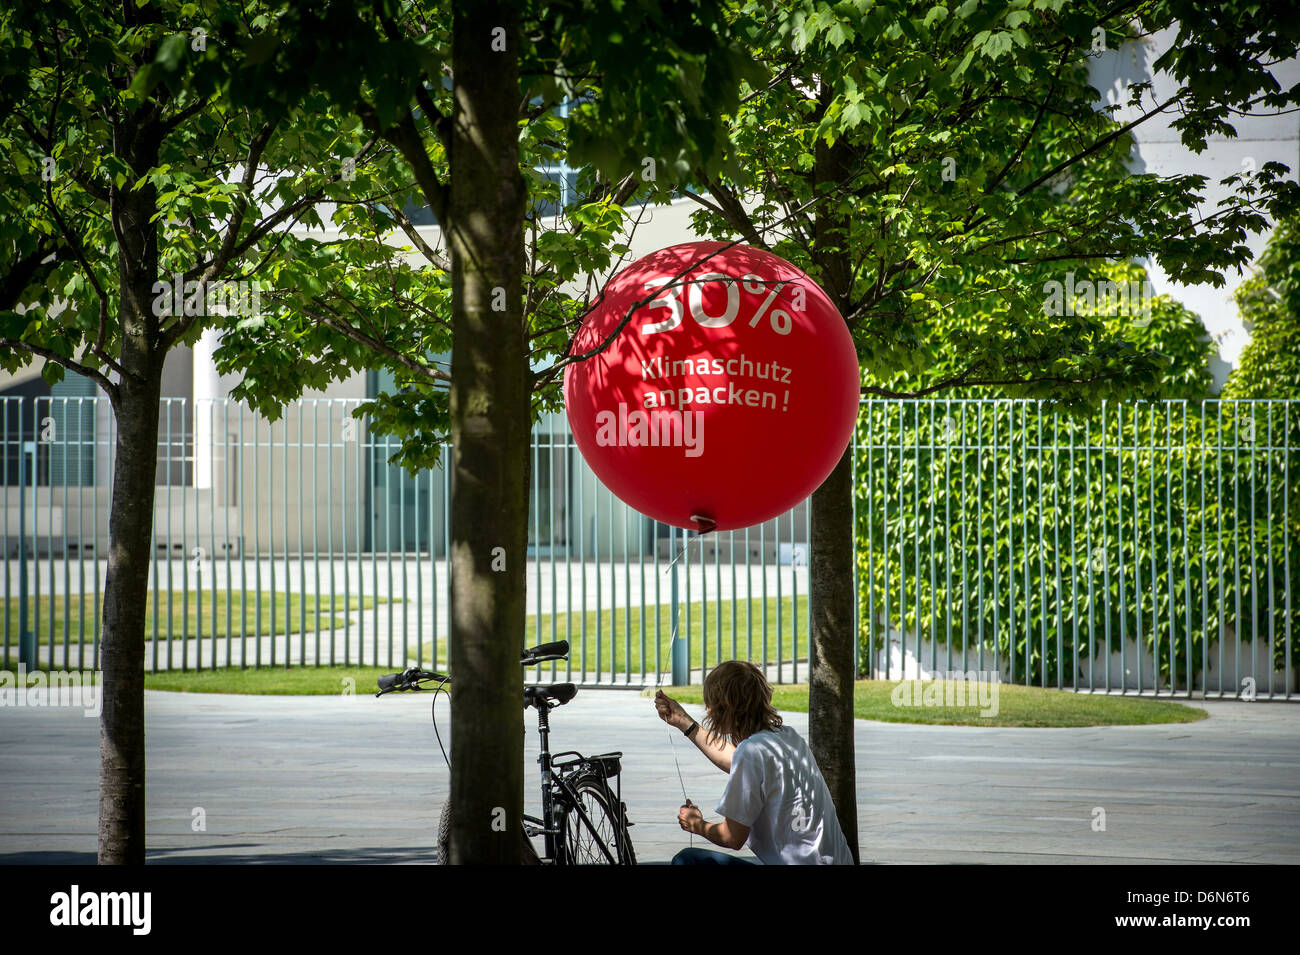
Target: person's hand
(690,819)
(671,712)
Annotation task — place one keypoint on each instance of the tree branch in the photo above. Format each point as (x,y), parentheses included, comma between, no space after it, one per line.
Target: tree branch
(347,330)
(406,138)
(255,149)
(733,211)
(431,254)
(542,377)
(75,245)
(49,354)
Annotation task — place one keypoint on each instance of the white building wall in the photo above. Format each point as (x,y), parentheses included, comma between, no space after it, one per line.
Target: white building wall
(1265,137)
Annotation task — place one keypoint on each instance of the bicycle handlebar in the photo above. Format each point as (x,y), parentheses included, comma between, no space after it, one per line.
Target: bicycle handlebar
(412,677)
(408,679)
(544,652)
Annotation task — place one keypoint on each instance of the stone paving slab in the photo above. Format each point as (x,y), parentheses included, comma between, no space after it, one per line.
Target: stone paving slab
(360,780)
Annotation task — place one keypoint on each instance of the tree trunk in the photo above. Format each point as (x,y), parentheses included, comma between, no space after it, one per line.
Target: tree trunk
(491,423)
(830,571)
(121,725)
(136,139)
(830,679)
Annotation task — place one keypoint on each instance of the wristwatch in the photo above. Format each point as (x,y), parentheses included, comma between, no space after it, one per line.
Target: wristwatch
(691,729)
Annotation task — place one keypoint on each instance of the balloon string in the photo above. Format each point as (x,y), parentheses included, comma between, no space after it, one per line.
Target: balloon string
(700,520)
(672,745)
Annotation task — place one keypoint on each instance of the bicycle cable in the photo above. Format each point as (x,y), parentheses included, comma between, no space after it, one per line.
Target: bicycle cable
(433,712)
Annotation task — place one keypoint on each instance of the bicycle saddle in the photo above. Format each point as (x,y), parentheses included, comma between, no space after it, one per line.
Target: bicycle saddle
(560,693)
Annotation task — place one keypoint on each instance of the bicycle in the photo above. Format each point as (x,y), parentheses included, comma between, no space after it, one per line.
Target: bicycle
(580,823)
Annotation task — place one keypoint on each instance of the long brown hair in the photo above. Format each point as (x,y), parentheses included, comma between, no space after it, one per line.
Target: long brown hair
(739,699)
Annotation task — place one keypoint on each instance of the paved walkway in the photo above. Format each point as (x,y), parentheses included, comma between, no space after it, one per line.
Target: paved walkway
(337,779)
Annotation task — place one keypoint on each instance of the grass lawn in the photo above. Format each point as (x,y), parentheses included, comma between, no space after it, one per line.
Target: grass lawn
(298,681)
(78,610)
(1016,706)
(609,633)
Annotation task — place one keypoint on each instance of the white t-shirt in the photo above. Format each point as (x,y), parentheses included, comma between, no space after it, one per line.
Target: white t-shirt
(776,789)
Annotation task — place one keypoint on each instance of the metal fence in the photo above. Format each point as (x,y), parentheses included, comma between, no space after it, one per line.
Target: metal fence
(1127,552)
(1149,548)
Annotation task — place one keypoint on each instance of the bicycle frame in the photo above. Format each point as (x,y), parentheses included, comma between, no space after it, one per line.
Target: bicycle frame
(552,780)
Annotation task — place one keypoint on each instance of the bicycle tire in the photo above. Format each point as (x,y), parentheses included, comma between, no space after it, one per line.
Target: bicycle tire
(527,855)
(577,843)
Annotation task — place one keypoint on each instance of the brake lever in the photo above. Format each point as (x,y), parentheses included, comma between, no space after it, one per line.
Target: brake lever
(411,678)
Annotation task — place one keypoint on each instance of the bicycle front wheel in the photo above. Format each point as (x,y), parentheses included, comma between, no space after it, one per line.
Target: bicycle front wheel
(601,838)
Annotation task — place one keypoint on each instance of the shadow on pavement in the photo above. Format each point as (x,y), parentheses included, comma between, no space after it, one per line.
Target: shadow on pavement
(228,855)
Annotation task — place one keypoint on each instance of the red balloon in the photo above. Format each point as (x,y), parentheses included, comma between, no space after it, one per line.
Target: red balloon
(725,399)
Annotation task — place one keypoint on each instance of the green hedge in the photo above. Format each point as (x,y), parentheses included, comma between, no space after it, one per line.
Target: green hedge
(974,492)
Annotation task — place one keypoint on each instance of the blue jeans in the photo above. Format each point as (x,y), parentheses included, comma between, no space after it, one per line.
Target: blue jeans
(707,857)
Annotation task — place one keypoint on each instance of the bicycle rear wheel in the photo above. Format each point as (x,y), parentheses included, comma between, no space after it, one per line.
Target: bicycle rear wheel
(527,855)
(581,844)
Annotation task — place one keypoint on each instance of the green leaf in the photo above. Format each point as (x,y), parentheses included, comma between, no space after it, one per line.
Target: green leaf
(839,34)
(172,51)
(850,116)
(997,44)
